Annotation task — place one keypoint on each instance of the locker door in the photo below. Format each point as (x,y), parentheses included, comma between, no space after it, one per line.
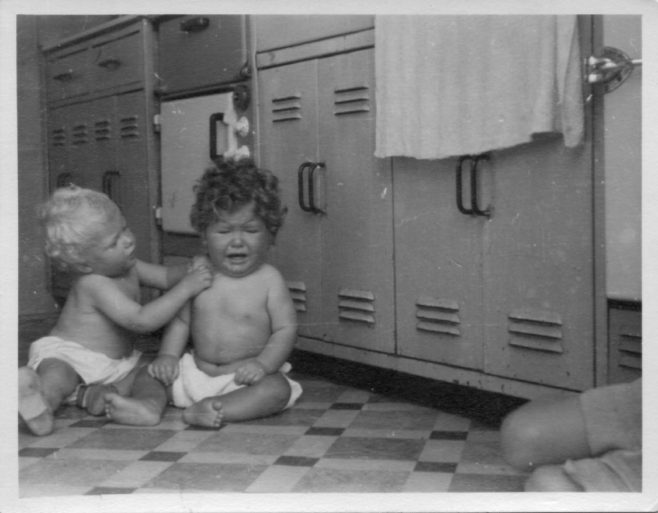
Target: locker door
(288,119)
(438,260)
(102,149)
(538,266)
(58,148)
(79,159)
(358,284)
(129,183)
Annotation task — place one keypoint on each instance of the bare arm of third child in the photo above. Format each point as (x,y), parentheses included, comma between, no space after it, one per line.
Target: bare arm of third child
(114,303)
(281,341)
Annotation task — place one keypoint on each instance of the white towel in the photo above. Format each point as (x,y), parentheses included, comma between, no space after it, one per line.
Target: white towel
(456,85)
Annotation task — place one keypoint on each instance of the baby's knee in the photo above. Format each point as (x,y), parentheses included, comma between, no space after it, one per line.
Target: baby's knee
(278,389)
(519,436)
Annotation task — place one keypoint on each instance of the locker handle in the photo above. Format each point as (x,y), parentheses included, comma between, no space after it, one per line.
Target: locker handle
(110,183)
(110,63)
(215,118)
(311,188)
(459,183)
(300,186)
(195,24)
(475,163)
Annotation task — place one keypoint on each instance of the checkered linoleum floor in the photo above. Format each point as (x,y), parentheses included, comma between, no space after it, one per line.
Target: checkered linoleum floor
(335,439)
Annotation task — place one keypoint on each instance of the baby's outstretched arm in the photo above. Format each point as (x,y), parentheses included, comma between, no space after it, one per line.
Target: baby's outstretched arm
(113,302)
(165,277)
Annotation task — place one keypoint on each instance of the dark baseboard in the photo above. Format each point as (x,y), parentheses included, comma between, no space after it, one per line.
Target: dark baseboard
(487,407)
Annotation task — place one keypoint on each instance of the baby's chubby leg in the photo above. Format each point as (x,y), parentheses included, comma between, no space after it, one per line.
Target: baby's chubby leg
(143,407)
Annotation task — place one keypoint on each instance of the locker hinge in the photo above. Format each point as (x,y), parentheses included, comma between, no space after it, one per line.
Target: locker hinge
(157,123)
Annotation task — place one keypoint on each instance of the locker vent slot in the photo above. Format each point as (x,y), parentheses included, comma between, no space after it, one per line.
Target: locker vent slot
(630,348)
(79,135)
(438,316)
(357,306)
(287,108)
(536,329)
(59,137)
(298,293)
(102,130)
(351,100)
(129,127)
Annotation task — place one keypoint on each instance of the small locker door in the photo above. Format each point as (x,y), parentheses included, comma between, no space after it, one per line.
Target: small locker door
(289,141)
(187,127)
(199,51)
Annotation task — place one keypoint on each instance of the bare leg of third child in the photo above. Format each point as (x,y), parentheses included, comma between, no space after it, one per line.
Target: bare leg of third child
(267,397)
(143,407)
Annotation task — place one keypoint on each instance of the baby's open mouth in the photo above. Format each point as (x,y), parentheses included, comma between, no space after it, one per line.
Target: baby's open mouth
(237,257)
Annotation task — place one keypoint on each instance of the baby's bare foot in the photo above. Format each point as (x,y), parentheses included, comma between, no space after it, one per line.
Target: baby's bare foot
(208,413)
(32,406)
(127,410)
(93,398)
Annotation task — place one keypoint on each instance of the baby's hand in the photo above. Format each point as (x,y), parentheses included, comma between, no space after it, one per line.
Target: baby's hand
(164,368)
(249,373)
(198,278)
(199,261)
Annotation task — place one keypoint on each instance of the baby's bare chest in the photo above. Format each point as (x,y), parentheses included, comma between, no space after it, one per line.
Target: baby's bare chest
(236,303)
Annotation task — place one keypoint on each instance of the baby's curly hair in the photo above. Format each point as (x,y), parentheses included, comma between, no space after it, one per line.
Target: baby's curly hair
(71,218)
(230,184)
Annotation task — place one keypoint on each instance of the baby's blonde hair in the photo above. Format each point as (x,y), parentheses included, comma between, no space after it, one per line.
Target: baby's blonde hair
(70,219)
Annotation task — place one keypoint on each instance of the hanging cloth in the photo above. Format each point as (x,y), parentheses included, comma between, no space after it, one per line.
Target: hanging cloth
(457,85)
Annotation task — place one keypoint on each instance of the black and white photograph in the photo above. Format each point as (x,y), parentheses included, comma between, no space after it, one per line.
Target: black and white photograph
(295,257)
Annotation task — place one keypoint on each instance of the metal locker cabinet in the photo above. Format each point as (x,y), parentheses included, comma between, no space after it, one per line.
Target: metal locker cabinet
(104,141)
(288,139)
(336,247)
(357,230)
